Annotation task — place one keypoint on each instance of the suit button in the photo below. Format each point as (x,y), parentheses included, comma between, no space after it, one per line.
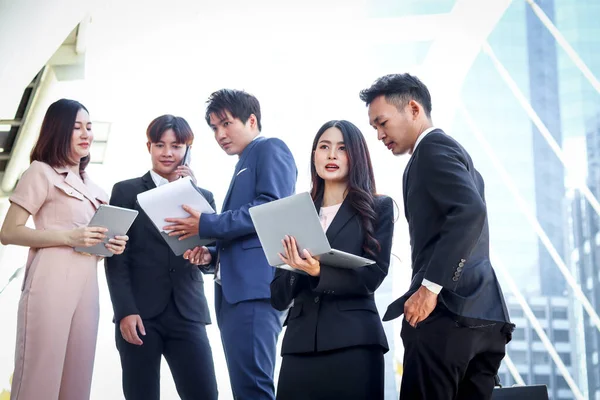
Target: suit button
(222,248)
(316,299)
(461,264)
(172,270)
(460,268)
(457,274)
(462,260)
(292,279)
(455,279)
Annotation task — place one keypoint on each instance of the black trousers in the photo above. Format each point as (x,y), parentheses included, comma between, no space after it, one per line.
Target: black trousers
(354,373)
(186,348)
(449,358)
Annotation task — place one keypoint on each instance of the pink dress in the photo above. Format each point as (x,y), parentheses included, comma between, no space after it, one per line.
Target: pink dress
(58,311)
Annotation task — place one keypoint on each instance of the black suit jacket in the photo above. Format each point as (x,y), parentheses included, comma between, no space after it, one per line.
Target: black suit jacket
(337,309)
(143,278)
(444,203)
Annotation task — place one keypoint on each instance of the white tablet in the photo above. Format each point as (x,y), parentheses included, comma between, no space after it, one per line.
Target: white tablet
(117,220)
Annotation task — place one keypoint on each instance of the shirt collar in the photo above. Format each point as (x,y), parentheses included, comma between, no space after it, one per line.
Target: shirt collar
(422,136)
(246,148)
(158,180)
(68,171)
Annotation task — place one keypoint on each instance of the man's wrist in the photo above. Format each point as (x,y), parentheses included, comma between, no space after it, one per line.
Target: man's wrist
(432,286)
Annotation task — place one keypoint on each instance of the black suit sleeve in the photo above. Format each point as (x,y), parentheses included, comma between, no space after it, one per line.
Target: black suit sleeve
(363,281)
(117,266)
(208,195)
(285,287)
(209,268)
(445,171)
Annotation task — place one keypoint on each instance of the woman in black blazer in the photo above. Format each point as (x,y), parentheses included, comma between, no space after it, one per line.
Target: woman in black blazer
(334,343)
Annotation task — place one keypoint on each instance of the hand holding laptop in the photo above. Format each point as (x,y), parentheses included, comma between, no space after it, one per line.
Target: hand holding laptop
(306,262)
(295,216)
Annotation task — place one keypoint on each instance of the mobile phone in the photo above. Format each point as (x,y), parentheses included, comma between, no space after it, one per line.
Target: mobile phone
(187,157)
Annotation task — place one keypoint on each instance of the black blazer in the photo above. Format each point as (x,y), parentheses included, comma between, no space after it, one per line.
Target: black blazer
(337,309)
(444,203)
(143,278)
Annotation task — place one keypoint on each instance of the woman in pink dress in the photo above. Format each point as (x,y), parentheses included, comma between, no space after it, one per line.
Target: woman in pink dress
(59,308)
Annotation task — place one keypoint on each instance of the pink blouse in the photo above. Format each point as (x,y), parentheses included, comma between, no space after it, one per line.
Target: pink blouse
(327,214)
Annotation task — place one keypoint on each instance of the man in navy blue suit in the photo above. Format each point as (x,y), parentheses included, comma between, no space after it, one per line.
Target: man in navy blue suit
(266,171)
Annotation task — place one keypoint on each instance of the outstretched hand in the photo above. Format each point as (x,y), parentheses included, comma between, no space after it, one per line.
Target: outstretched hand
(184,227)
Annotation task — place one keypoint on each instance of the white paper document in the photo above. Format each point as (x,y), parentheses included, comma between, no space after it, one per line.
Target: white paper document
(166,201)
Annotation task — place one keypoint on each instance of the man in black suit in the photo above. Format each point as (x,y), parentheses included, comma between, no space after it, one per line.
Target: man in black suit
(155,293)
(456,324)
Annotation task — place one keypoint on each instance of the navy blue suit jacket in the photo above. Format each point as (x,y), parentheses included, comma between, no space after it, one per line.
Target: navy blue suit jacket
(444,203)
(266,171)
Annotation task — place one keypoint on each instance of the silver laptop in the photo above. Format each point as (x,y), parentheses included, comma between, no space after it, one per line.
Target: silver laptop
(296,216)
(117,220)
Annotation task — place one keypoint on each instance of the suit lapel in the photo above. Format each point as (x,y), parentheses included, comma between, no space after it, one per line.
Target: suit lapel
(344,214)
(148,182)
(405,181)
(248,150)
(238,168)
(409,164)
(413,156)
(226,200)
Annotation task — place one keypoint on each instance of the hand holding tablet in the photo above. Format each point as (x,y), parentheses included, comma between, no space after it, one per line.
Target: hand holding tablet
(108,226)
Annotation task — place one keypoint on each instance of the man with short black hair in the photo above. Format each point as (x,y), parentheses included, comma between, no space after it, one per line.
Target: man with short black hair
(266,171)
(456,324)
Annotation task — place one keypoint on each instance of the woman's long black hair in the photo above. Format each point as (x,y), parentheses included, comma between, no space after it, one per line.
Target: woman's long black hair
(361,180)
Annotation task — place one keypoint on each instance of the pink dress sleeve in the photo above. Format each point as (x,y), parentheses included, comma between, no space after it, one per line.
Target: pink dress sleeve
(33,188)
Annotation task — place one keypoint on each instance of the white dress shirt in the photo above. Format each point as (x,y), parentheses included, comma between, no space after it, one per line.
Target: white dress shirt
(432,286)
(157,179)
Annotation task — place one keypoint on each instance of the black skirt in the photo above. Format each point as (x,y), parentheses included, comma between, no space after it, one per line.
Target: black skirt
(351,373)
